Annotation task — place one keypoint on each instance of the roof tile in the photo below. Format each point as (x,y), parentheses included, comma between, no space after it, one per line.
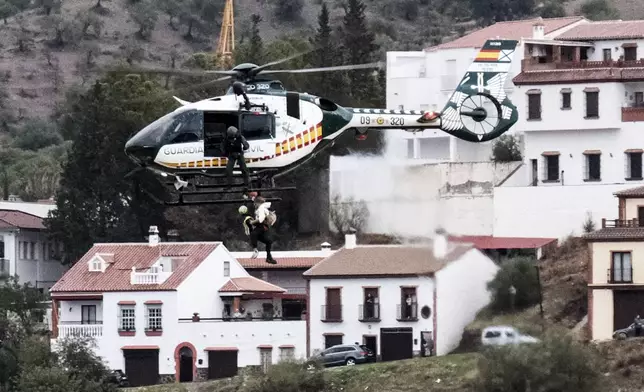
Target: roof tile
(282,262)
(490,242)
(579,75)
(616,234)
(250,284)
(388,260)
(138,255)
(506,30)
(20,220)
(631,192)
(605,30)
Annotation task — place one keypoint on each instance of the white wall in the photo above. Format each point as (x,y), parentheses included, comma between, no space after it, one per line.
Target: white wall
(616,49)
(289,280)
(461,294)
(352,297)
(38,209)
(396,191)
(552,212)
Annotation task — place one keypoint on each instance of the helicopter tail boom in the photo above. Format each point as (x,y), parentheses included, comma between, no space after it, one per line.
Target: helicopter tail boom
(478,110)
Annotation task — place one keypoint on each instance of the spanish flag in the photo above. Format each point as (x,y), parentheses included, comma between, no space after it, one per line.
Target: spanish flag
(488,55)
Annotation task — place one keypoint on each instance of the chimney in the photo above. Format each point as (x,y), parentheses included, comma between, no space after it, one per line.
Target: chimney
(153,240)
(350,239)
(538,29)
(440,244)
(326,248)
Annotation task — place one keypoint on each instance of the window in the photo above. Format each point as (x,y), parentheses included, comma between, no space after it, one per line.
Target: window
(256,126)
(534,105)
(96,265)
(639,99)
(32,250)
(410,148)
(622,270)
(333,308)
(408,308)
(370,309)
(608,56)
(226,268)
(127,320)
(332,340)
(153,318)
(551,172)
(592,103)
(287,353)
(25,250)
(593,166)
(634,165)
(4,266)
(565,99)
(266,358)
(88,314)
(1,248)
(630,53)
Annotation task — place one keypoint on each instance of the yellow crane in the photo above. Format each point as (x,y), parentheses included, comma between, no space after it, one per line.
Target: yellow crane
(226,44)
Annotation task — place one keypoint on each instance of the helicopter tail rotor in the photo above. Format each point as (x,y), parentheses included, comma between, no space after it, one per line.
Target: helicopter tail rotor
(479,109)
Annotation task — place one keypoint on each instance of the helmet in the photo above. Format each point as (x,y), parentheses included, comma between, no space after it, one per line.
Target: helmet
(242,210)
(232,131)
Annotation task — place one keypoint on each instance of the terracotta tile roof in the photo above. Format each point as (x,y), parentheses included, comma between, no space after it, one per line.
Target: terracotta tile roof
(605,30)
(490,242)
(387,260)
(20,220)
(506,30)
(300,259)
(616,234)
(249,284)
(631,192)
(125,256)
(580,75)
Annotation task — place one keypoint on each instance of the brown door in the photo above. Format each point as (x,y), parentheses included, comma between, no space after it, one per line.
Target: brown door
(333,304)
(626,305)
(222,364)
(640,216)
(142,367)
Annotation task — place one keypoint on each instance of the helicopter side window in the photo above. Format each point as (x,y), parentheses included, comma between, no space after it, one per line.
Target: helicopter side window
(186,127)
(257,126)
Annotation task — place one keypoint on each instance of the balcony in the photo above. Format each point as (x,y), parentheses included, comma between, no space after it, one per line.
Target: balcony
(331,313)
(621,275)
(406,312)
(620,223)
(149,277)
(295,290)
(75,329)
(369,312)
(633,113)
(530,64)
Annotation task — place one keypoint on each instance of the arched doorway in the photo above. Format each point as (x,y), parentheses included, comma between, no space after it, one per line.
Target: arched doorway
(186,363)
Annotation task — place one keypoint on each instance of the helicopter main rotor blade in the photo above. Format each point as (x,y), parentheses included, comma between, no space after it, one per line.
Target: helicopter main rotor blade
(261,68)
(170,71)
(378,64)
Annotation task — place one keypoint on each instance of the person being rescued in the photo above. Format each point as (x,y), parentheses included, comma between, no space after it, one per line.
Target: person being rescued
(233,148)
(259,228)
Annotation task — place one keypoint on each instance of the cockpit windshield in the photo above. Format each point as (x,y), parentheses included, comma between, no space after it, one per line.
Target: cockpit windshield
(176,127)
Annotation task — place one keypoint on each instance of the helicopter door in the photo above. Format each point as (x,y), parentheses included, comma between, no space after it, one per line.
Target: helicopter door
(215,125)
(259,130)
(293,105)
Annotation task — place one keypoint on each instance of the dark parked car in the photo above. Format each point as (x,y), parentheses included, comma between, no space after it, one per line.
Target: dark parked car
(119,378)
(371,356)
(342,354)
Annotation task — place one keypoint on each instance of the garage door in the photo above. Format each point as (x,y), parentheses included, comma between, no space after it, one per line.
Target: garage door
(627,304)
(142,367)
(396,343)
(222,364)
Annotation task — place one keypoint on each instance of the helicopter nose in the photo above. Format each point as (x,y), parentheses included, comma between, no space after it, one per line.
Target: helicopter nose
(139,153)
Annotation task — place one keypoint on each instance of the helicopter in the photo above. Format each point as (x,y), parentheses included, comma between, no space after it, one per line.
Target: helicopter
(285,129)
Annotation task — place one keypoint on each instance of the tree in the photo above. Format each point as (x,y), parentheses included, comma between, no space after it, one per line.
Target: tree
(348,214)
(7,9)
(327,84)
(506,149)
(36,134)
(65,31)
(49,5)
(520,274)
(599,10)
(288,10)
(89,19)
(78,357)
(172,8)
(145,15)
(95,202)
(552,9)
(253,50)
(492,11)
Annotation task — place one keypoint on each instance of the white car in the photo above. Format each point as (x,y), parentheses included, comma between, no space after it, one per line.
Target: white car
(502,335)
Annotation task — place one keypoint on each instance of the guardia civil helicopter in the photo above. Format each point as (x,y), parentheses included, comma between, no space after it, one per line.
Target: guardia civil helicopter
(286,128)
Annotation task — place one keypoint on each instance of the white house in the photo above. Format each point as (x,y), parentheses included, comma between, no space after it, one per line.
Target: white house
(287,273)
(578,86)
(399,300)
(26,252)
(174,311)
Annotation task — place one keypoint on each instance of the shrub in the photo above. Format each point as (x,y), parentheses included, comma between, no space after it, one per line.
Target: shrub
(506,149)
(521,274)
(288,376)
(558,363)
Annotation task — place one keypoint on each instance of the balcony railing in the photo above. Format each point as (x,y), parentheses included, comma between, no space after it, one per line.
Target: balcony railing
(66,329)
(406,312)
(369,312)
(620,275)
(621,223)
(4,267)
(633,113)
(295,290)
(148,277)
(331,312)
(534,65)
